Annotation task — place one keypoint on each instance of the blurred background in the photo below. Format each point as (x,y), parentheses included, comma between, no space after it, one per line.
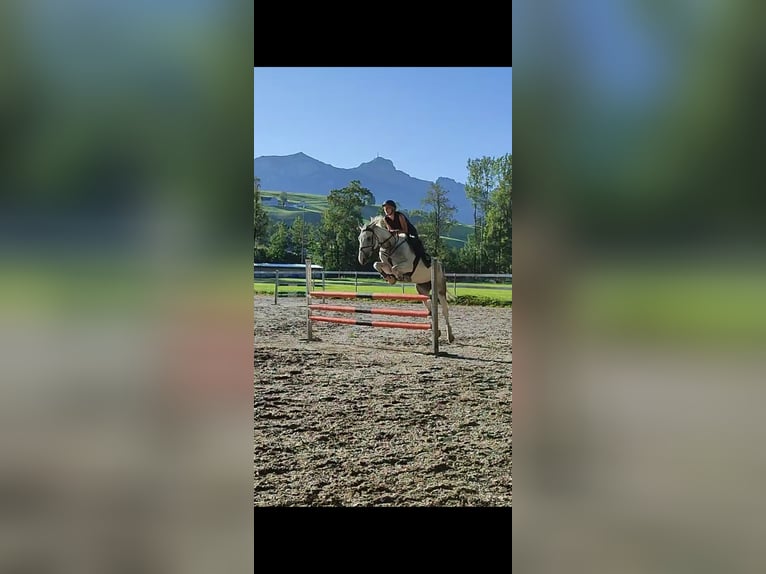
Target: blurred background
(126,307)
(639,318)
(126,297)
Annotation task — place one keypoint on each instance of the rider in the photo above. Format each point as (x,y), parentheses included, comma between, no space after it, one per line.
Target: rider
(396,221)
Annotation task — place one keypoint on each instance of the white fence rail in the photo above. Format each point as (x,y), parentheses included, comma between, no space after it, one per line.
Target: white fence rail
(295,275)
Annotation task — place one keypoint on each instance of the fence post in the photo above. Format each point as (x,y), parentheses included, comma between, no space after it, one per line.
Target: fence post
(276,285)
(434,309)
(309,286)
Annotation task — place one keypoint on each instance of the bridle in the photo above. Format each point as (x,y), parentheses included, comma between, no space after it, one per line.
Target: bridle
(376,243)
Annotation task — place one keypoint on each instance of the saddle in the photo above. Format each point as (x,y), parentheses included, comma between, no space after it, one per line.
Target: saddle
(425,258)
(413,243)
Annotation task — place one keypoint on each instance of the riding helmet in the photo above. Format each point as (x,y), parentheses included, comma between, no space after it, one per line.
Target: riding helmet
(390,202)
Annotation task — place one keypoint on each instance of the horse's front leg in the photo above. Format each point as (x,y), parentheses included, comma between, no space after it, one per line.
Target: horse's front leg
(385,271)
(397,271)
(400,269)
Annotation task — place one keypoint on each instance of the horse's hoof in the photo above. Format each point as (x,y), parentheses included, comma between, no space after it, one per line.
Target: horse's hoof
(391,280)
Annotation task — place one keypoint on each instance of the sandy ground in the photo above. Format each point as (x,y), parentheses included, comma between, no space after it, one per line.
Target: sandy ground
(367,416)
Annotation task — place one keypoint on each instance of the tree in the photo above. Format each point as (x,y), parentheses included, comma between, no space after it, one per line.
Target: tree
(299,237)
(437,221)
(283,200)
(340,225)
(451,260)
(260,218)
(313,245)
(469,254)
(499,228)
(482,180)
(278,243)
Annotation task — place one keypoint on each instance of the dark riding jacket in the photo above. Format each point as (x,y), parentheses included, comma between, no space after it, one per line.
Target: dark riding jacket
(413,238)
(394,223)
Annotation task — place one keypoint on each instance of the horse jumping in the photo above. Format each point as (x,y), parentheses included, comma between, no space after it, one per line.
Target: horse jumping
(396,260)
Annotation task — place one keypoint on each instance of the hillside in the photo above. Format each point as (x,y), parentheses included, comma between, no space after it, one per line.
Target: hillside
(300,173)
(311,206)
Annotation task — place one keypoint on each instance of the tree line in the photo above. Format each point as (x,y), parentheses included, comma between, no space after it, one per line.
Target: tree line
(333,243)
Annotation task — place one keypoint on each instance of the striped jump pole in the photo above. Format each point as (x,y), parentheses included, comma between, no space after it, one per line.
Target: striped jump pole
(376,296)
(432,324)
(342,309)
(389,324)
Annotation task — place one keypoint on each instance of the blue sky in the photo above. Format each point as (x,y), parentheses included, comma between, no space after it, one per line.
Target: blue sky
(428,121)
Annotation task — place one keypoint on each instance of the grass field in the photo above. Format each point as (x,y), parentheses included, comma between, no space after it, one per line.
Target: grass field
(466,295)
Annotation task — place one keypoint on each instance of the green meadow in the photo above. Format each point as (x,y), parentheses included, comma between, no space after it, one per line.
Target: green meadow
(468,294)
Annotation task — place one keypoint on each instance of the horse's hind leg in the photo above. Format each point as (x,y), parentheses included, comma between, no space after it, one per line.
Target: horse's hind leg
(424,289)
(442,292)
(445,313)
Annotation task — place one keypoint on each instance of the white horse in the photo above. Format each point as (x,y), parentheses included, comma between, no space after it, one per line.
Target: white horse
(396,263)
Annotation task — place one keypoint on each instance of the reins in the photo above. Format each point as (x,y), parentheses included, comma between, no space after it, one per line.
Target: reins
(382,244)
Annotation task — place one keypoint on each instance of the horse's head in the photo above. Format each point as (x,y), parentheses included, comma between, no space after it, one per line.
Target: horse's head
(370,238)
(367,242)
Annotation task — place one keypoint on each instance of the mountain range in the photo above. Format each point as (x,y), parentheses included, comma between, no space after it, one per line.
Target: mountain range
(300,173)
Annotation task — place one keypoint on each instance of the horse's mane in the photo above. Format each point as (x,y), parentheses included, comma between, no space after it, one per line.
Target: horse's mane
(378,220)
